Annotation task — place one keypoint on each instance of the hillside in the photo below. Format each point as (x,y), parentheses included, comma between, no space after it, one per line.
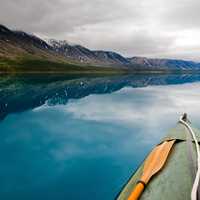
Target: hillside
(20,51)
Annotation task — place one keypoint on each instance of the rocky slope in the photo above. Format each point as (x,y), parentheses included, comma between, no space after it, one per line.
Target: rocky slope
(85,55)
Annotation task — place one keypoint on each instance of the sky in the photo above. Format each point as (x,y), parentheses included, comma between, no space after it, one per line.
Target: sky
(151,28)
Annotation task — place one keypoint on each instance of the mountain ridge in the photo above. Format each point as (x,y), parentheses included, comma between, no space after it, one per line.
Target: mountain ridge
(113,58)
(15,45)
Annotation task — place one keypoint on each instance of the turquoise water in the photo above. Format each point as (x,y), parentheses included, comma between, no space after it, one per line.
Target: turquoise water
(73,137)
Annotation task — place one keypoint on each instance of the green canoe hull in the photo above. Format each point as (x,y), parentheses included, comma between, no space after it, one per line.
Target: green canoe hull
(175,180)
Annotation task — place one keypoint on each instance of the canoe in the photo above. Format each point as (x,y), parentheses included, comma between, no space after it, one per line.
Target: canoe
(175,180)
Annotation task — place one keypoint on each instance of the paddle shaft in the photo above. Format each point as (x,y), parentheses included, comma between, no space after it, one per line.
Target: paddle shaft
(136,192)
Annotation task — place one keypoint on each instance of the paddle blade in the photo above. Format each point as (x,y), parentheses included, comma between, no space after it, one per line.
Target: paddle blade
(156,160)
(154,163)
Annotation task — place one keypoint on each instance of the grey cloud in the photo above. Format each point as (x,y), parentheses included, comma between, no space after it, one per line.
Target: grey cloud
(55,17)
(131,27)
(182,14)
(143,43)
(130,42)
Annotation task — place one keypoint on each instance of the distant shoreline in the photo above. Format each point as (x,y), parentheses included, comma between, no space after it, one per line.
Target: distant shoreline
(110,72)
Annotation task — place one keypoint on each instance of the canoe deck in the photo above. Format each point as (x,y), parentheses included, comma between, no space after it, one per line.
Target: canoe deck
(175,180)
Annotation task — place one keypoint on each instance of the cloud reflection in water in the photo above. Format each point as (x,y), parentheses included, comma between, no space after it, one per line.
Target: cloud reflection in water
(68,149)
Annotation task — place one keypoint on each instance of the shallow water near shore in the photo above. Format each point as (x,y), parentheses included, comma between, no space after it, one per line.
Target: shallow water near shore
(81,137)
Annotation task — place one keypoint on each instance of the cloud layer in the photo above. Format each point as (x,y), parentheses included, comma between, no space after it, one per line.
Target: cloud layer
(157,102)
(156,28)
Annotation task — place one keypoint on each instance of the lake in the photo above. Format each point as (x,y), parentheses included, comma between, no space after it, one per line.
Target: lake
(81,137)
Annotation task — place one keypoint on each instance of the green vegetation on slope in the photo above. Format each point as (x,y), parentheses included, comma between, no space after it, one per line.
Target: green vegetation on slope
(31,65)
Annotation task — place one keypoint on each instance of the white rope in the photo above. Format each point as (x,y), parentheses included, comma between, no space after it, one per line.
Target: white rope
(196,181)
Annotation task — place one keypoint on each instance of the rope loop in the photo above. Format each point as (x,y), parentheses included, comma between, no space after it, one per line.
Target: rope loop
(183,120)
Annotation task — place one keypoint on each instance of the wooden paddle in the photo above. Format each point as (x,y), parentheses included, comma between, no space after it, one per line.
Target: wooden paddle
(153,164)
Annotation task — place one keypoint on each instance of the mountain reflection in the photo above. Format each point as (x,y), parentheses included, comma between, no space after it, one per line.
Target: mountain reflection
(22,92)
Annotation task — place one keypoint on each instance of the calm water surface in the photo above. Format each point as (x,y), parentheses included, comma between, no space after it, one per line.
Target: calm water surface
(72,137)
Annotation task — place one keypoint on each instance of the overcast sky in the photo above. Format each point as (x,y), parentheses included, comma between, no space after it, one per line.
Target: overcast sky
(153,28)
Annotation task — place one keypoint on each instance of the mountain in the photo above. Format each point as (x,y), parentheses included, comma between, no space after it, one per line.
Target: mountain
(20,51)
(165,63)
(76,52)
(23,51)
(85,55)
(15,43)
(111,57)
